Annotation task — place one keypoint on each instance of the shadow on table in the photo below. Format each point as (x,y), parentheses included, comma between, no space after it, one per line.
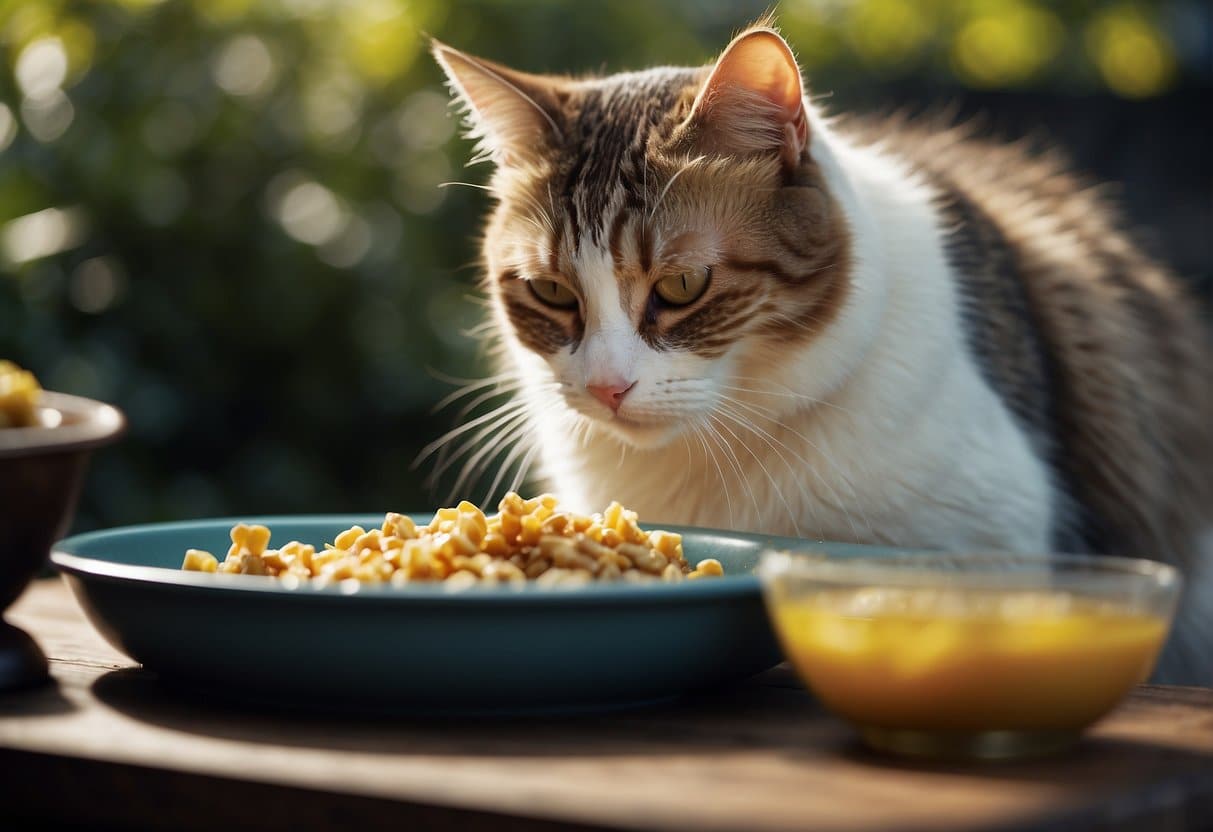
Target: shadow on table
(43,700)
(747,715)
(1111,759)
(749,718)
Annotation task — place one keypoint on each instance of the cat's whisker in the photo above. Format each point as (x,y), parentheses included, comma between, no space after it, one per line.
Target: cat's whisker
(500,381)
(761,465)
(838,503)
(778,423)
(758,511)
(517,446)
(450,435)
(467,265)
(711,454)
(502,469)
(479,298)
(492,416)
(749,426)
(450,379)
(769,439)
(796,396)
(498,350)
(731,457)
(473,470)
(504,432)
(475,185)
(524,468)
(484,329)
(766,410)
(494,430)
(686,469)
(502,385)
(490,394)
(788,392)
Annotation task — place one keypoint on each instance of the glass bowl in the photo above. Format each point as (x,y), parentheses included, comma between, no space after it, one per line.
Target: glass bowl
(987,656)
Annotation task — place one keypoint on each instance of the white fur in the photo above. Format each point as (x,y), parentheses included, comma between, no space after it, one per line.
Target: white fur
(612,349)
(881,429)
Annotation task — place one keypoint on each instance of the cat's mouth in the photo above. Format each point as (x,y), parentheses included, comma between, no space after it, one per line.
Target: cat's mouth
(629,422)
(633,425)
(641,431)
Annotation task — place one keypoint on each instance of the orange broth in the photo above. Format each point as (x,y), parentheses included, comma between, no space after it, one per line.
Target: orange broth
(945,660)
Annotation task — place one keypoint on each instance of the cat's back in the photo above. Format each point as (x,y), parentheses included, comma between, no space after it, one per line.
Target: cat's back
(1098,351)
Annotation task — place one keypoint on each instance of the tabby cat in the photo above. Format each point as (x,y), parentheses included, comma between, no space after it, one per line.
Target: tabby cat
(721,307)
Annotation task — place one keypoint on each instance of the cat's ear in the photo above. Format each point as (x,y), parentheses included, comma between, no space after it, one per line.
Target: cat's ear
(753,100)
(512,115)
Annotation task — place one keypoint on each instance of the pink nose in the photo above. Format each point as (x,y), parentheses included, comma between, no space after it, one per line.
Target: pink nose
(610,394)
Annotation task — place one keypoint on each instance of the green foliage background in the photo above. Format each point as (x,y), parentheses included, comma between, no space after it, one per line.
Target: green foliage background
(237,233)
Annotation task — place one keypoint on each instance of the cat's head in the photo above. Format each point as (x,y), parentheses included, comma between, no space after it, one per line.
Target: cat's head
(662,240)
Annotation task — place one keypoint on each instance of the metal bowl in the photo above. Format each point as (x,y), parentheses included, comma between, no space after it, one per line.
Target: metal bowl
(41,470)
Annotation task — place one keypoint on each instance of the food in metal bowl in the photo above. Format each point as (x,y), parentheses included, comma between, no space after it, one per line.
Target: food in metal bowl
(19,394)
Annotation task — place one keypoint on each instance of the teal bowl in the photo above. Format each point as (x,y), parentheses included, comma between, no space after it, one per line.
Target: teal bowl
(421,648)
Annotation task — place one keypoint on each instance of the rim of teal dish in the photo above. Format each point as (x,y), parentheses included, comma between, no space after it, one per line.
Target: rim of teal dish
(67,561)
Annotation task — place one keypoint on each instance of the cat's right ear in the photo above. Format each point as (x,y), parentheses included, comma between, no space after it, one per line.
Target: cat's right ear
(753,99)
(512,115)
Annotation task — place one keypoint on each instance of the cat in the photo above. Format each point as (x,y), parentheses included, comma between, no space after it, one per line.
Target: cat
(719,306)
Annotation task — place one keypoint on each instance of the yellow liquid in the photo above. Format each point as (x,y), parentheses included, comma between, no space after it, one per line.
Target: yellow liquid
(932,660)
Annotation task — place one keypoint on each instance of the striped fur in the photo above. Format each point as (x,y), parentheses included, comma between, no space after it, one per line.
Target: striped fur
(908,336)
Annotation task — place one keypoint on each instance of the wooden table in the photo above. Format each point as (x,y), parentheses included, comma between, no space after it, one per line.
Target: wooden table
(107,745)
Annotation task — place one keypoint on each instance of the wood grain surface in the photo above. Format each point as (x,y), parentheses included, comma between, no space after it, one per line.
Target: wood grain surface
(110,745)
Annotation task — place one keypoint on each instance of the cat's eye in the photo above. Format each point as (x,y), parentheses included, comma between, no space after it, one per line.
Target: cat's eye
(553,293)
(684,287)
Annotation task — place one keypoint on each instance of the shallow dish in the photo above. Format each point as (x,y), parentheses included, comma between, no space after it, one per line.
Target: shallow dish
(421,648)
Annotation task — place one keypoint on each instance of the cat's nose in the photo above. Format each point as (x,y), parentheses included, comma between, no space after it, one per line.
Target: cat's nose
(610,394)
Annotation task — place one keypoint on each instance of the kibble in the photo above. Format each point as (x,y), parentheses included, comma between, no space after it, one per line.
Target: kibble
(526,540)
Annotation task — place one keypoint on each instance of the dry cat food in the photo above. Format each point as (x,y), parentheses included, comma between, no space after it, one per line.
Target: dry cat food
(526,539)
(19,392)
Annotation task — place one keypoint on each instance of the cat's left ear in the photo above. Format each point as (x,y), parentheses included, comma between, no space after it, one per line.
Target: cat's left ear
(513,115)
(753,100)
